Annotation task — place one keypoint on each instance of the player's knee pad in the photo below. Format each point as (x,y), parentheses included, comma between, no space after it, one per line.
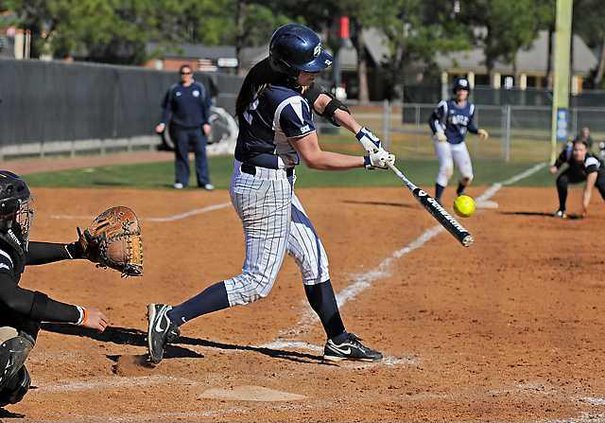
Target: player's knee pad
(16,388)
(13,353)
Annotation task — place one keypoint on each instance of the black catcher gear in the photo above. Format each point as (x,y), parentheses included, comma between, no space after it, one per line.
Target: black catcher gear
(16,212)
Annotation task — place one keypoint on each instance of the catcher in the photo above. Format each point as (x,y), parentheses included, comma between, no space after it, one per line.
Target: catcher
(22,310)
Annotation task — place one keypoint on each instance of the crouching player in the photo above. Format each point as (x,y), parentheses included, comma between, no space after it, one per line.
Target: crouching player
(581,166)
(22,310)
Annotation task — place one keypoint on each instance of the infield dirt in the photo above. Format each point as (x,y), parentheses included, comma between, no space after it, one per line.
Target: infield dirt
(508,330)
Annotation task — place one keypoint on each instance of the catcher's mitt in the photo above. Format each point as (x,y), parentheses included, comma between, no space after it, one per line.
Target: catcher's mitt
(113,240)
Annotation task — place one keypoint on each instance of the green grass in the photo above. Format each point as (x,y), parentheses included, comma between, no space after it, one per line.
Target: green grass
(161,175)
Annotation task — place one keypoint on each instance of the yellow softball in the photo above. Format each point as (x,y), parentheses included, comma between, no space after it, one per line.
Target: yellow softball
(464,206)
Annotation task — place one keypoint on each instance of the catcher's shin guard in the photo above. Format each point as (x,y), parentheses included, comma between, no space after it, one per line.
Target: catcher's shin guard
(14,349)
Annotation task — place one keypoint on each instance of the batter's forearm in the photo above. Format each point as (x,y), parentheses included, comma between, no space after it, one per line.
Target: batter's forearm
(327,160)
(347,121)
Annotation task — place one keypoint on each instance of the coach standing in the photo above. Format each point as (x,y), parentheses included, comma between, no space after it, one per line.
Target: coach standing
(186,106)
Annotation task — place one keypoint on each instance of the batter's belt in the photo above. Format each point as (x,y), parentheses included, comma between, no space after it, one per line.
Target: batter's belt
(250,169)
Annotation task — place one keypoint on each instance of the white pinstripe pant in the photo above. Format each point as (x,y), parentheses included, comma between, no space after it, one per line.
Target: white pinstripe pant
(450,154)
(274,223)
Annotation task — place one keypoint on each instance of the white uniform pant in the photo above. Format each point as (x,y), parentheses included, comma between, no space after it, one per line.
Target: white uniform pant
(274,223)
(450,154)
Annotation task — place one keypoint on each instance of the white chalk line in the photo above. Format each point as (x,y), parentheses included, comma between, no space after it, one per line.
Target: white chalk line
(172,218)
(110,382)
(365,280)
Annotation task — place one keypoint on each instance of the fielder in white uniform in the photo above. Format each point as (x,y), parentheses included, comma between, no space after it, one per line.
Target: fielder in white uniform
(276,128)
(449,123)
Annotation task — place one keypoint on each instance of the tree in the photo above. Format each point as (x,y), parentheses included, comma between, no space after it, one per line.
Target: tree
(509,26)
(116,31)
(417,32)
(254,23)
(588,16)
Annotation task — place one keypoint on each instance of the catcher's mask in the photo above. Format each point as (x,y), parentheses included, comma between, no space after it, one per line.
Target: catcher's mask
(16,211)
(294,48)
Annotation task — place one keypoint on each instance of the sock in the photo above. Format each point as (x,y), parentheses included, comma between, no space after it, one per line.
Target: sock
(460,189)
(323,301)
(439,192)
(211,299)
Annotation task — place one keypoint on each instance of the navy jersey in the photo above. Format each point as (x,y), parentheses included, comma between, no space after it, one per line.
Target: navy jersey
(187,107)
(276,114)
(579,170)
(453,121)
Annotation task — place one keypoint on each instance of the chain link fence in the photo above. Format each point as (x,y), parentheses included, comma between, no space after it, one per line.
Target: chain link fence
(517,133)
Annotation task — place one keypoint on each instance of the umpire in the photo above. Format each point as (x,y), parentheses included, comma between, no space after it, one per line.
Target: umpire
(186,106)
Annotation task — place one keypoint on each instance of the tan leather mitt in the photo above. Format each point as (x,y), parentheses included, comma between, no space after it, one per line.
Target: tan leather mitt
(114,240)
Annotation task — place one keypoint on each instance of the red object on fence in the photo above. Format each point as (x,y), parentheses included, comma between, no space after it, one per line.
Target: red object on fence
(344,28)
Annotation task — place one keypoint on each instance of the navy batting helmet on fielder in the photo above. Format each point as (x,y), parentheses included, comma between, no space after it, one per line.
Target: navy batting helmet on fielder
(461,84)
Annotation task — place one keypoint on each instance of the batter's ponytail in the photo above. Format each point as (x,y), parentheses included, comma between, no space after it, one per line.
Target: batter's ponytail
(257,79)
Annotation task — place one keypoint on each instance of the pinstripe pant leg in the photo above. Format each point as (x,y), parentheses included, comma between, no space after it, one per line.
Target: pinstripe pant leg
(306,247)
(264,208)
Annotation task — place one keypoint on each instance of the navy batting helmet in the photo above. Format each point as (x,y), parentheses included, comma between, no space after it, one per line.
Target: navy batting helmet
(16,211)
(294,48)
(461,84)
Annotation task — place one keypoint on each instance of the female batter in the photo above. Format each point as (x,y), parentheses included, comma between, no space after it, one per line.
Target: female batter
(449,122)
(276,128)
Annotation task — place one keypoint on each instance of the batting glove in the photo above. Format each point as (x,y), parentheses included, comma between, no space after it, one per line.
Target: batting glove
(439,137)
(365,136)
(380,159)
(483,134)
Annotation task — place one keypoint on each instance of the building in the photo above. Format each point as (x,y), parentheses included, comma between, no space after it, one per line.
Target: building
(198,56)
(530,71)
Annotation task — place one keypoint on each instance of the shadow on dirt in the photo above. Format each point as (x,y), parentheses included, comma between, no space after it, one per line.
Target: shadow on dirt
(542,214)
(129,336)
(5,414)
(380,203)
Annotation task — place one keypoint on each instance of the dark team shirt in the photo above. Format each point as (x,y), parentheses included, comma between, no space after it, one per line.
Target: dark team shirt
(187,107)
(16,303)
(453,120)
(275,115)
(579,170)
